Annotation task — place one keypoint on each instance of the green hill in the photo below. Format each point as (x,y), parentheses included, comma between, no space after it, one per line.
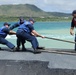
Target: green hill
(21,10)
(59,14)
(26,10)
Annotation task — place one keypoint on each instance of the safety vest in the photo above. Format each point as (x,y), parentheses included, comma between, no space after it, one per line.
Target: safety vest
(3,34)
(24,26)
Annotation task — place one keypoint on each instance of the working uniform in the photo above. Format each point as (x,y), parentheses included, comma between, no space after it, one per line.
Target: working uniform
(73,24)
(3,33)
(24,32)
(19,41)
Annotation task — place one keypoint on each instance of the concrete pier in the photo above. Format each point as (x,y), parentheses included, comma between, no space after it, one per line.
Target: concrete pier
(27,63)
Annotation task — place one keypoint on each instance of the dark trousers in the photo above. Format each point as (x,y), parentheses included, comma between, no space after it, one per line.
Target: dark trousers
(26,36)
(5,42)
(75,41)
(19,42)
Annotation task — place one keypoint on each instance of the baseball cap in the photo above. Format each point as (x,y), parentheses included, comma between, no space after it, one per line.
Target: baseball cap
(31,19)
(7,24)
(74,12)
(21,20)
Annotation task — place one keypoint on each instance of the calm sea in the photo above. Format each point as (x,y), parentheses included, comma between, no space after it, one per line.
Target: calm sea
(60,30)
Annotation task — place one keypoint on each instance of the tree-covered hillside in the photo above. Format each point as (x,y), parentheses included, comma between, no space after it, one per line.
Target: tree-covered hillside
(26,10)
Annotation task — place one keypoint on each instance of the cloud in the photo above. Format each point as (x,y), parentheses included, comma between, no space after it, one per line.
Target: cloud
(46,5)
(59,5)
(17,1)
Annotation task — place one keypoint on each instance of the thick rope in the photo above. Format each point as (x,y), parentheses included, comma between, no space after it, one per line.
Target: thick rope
(60,40)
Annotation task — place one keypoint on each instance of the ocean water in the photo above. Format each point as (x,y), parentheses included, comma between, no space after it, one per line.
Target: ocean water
(59,30)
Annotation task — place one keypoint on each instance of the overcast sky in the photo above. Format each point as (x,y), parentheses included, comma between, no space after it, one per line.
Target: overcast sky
(66,6)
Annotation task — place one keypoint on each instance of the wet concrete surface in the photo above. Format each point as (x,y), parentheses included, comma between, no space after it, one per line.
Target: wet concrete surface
(27,63)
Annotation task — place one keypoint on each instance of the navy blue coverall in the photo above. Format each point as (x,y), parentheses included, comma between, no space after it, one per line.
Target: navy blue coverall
(19,41)
(24,32)
(3,33)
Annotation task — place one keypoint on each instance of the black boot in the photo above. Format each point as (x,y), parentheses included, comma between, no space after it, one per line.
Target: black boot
(40,47)
(36,51)
(17,48)
(0,48)
(24,49)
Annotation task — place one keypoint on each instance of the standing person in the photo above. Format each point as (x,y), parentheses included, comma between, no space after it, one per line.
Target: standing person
(26,31)
(19,41)
(3,33)
(73,25)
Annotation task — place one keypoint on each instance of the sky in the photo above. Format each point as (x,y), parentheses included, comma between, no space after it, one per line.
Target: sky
(65,6)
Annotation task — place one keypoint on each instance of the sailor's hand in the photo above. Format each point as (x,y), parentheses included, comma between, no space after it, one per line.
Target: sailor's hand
(43,36)
(71,33)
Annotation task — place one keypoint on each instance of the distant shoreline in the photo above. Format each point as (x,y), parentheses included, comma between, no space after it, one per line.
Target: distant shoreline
(38,19)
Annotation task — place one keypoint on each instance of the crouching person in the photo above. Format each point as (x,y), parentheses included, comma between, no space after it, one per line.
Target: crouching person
(4,31)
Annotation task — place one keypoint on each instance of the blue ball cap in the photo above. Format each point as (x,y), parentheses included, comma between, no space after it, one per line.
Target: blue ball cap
(31,19)
(7,24)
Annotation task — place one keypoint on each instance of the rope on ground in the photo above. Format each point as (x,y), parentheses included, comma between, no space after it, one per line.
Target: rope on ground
(60,52)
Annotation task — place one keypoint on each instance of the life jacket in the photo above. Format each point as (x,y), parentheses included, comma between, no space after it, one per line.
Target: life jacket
(74,21)
(24,26)
(3,34)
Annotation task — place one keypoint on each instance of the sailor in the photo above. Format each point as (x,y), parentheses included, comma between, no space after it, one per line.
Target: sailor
(27,32)
(19,41)
(73,25)
(4,30)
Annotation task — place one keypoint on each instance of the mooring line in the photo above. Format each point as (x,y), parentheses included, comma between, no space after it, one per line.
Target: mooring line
(60,40)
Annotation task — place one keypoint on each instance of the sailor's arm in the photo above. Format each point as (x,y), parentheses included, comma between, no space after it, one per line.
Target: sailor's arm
(72,30)
(13,26)
(37,34)
(11,32)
